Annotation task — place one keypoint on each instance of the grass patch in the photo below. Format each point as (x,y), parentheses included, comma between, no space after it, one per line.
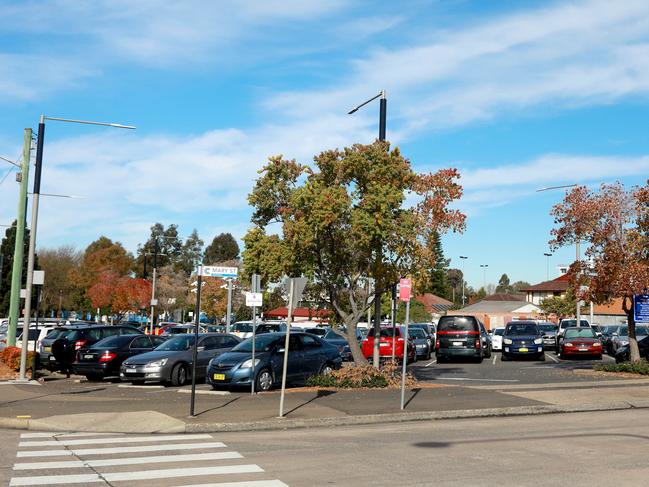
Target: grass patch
(364,377)
(640,368)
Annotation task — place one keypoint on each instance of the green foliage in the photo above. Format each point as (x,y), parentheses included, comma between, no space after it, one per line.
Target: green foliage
(438,279)
(7,250)
(480,294)
(418,313)
(224,247)
(641,367)
(169,247)
(503,285)
(560,306)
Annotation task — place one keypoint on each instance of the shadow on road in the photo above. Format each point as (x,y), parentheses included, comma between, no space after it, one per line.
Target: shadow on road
(317,396)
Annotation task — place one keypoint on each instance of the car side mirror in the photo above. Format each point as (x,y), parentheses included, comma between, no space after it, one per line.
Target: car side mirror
(280,350)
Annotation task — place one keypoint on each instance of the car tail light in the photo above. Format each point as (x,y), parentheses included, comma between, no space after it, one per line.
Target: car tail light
(438,344)
(477,344)
(107,356)
(79,344)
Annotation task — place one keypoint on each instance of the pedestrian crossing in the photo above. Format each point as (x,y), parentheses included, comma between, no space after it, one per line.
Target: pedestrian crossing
(174,460)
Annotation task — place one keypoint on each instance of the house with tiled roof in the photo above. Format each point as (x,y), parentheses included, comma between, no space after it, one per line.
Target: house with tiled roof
(556,287)
(495,313)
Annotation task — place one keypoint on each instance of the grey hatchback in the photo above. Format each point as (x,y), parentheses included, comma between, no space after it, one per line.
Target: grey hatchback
(171,362)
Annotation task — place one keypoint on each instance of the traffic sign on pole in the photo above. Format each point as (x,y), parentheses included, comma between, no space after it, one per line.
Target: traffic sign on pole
(254,299)
(404,289)
(218,271)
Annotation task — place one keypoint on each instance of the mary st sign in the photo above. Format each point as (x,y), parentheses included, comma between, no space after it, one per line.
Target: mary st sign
(218,271)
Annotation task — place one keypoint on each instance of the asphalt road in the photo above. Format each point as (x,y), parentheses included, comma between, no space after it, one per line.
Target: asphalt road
(495,371)
(585,449)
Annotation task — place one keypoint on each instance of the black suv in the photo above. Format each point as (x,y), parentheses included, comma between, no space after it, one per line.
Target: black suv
(460,336)
(59,348)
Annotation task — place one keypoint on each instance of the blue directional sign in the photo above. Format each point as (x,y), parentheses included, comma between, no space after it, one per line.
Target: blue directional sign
(641,308)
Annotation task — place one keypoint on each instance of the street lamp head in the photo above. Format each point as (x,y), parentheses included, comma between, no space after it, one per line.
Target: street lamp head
(547,254)
(557,187)
(352,111)
(463,257)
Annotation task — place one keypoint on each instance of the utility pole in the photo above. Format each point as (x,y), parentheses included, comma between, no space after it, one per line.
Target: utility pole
(464,258)
(547,270)
(19,246)
(155,268)
(484,278)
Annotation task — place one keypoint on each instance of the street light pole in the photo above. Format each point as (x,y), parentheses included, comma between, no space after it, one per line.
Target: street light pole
(379,245)
(32,235)
(464,258)
(547,271)
(484,276)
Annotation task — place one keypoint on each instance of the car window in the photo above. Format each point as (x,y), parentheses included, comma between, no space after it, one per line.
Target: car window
(242,327)
(229,342)
(210,343)
(417,333)
(177,343)
(263,343)
(310,342)
(157,340)
(110,342)
(457,323)
(386,332)
(56,333)
(294,343)
(94,334)
(141,342)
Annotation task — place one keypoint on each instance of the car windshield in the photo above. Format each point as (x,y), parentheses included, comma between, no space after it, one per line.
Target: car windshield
(547,327)
(177,344)
(386,332)
(499,331)
(639,331)
(571,323)
(417,333)
(580,333)
(242,327)
(522,329)
(263,343)
(56,333)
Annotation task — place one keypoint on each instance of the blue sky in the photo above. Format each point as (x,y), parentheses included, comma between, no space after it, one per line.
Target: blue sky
(516,95)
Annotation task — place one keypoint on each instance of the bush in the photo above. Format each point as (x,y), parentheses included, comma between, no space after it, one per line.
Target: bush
(364,376)
(641,367)
(11,357)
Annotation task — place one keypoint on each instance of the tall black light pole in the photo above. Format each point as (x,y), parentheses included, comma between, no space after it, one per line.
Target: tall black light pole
(379,257)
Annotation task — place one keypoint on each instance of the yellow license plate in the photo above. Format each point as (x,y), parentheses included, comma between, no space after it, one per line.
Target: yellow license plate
(219,376)
(523,350)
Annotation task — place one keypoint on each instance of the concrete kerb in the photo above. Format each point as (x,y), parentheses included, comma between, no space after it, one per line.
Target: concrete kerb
(132,423)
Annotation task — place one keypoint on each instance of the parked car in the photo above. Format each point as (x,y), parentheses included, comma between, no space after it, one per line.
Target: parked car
(320,331)
(429,330)
(422,342)
(242,329)
(485,341)
(566,323)
(624,355)
(497,338)
(307,355)
(389,339)
(59,348)
(104,358)
(458,336)
(579,342)
(522,339)
(549,331)
(341,344)
(182,329)
(171,362)
(607,335)
(620,337)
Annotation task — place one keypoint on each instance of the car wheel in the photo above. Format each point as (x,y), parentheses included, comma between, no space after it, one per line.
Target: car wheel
(326,369)
(264,381)
(179,375)
(94,377)
(488,353)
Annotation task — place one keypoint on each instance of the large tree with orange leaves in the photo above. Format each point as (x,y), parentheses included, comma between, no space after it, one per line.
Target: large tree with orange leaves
(615,224)
(347,219)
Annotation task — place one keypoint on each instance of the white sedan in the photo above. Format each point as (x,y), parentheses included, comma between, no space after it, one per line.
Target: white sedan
(497,338)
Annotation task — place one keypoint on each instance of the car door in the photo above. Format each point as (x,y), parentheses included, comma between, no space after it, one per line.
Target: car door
(208,348)
(313,356)
(141,344)
(294,371)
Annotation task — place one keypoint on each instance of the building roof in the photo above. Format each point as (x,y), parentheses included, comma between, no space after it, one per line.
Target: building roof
(504,297)
(499,307)
(433,303)
(559,284)
(282,312)
(612,308)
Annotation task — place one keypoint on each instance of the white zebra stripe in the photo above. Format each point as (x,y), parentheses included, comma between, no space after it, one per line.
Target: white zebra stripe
(123,449)
(124,439)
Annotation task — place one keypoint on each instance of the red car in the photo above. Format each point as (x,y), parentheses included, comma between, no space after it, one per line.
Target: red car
(386,343)
(580,341)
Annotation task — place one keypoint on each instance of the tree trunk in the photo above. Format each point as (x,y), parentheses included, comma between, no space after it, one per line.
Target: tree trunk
(634,351)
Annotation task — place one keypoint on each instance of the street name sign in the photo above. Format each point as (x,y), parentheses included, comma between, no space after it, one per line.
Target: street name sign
(217,271)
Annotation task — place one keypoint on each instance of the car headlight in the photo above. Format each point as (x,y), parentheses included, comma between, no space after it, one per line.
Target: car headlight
(157,363)
(624,342)
(597,344)
(248,363)
(538,341)
(507,341)
(568,344)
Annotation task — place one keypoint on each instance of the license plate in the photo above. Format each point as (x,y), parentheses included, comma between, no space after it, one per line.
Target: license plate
(130,370)
(457,344)
(88,356)
(52,358)
(384,344)
(583,349)
(219,376)
(523,350)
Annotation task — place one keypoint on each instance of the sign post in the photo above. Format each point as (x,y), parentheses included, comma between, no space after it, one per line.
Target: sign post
(197,320)
(254,299)
(227,273)
(296,287)
(404,295)
(641,308)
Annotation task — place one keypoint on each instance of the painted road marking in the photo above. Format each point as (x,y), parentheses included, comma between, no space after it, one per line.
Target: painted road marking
(128,461)
(64,435)
(493,362)
(132,386)
(480,380)
(245,483)
(55,479)
(431,363)
(213,393)
(552,357)
(123,449)
(125,439)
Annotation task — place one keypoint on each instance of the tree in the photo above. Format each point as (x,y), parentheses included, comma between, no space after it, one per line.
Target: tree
(58,289)
(191,254)
(418,313)
(560,306)
(214,297)
(503,285)
(438,279)
(455,279)
(168,244)
(172,289)
(615,223)
(344,221)
(224,247)
(519,285)
(480,294)
(117,295)
(7,248)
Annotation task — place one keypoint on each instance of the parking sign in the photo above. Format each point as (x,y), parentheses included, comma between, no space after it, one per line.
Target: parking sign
(404,289)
